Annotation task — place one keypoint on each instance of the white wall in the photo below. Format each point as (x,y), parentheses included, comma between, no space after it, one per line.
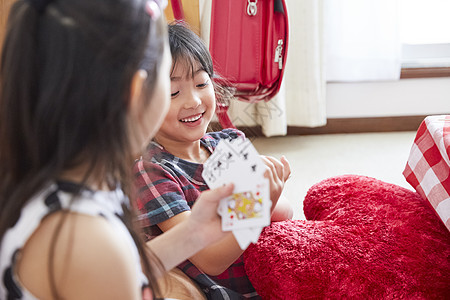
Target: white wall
(406,97)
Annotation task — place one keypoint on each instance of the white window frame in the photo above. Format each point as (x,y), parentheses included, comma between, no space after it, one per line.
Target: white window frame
(426,56)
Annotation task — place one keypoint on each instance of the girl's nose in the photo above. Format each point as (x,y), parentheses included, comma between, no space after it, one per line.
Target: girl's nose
(193,101)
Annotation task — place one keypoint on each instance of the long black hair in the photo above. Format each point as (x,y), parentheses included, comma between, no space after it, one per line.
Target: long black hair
(65,78)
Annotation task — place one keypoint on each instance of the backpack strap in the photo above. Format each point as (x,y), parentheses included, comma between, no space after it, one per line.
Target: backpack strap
(177,8)
(222,115)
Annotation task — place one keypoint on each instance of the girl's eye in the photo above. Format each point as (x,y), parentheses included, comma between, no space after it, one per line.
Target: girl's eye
(203,84)
(174,94)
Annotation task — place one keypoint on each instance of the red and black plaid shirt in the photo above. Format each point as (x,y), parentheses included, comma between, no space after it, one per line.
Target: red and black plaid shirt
(167,186)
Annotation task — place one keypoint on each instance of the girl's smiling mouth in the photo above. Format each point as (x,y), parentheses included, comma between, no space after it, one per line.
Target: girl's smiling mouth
(192,119)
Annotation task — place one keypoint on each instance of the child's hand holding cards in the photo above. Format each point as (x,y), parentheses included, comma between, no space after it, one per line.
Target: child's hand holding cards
(247,211)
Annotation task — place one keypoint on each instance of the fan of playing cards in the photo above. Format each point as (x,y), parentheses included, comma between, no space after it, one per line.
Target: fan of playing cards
(247,210)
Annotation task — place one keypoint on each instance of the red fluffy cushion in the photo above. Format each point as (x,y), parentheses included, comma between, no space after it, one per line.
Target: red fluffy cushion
(363,238)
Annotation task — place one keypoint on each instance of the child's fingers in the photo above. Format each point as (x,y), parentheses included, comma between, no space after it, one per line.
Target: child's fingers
(207,202)
(270,171)
(217,194)
(287,167)
(276,166)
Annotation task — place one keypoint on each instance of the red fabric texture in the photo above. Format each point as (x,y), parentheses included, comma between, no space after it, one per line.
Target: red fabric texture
(363,239)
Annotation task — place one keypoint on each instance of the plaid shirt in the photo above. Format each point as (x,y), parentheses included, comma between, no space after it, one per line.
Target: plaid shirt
(167,186)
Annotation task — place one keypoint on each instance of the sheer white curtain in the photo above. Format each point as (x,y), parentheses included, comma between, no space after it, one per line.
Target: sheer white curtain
(330,40)
(362,40)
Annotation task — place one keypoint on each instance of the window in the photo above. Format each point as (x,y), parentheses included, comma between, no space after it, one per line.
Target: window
(425,36)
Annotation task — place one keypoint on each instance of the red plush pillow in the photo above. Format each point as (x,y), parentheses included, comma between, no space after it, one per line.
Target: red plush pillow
(363,238)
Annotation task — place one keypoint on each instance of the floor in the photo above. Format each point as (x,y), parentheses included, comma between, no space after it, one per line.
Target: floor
(316,157)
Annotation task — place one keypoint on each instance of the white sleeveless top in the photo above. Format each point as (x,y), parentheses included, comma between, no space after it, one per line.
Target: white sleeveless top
(56,196)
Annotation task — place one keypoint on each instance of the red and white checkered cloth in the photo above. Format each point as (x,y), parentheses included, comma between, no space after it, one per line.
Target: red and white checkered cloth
(428,166)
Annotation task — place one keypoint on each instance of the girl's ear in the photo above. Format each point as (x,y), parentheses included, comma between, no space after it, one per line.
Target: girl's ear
(137,83)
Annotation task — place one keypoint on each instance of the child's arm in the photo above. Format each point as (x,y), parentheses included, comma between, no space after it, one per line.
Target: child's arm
(214,259)
(282,211)
(194,230)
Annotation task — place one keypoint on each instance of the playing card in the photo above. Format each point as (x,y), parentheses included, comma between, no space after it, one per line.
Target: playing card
(219,165)
(234,161)
(247,210)
(245,236)
(249,155)
(244,209)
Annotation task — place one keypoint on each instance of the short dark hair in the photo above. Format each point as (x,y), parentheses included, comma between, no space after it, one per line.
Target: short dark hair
(188,47)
